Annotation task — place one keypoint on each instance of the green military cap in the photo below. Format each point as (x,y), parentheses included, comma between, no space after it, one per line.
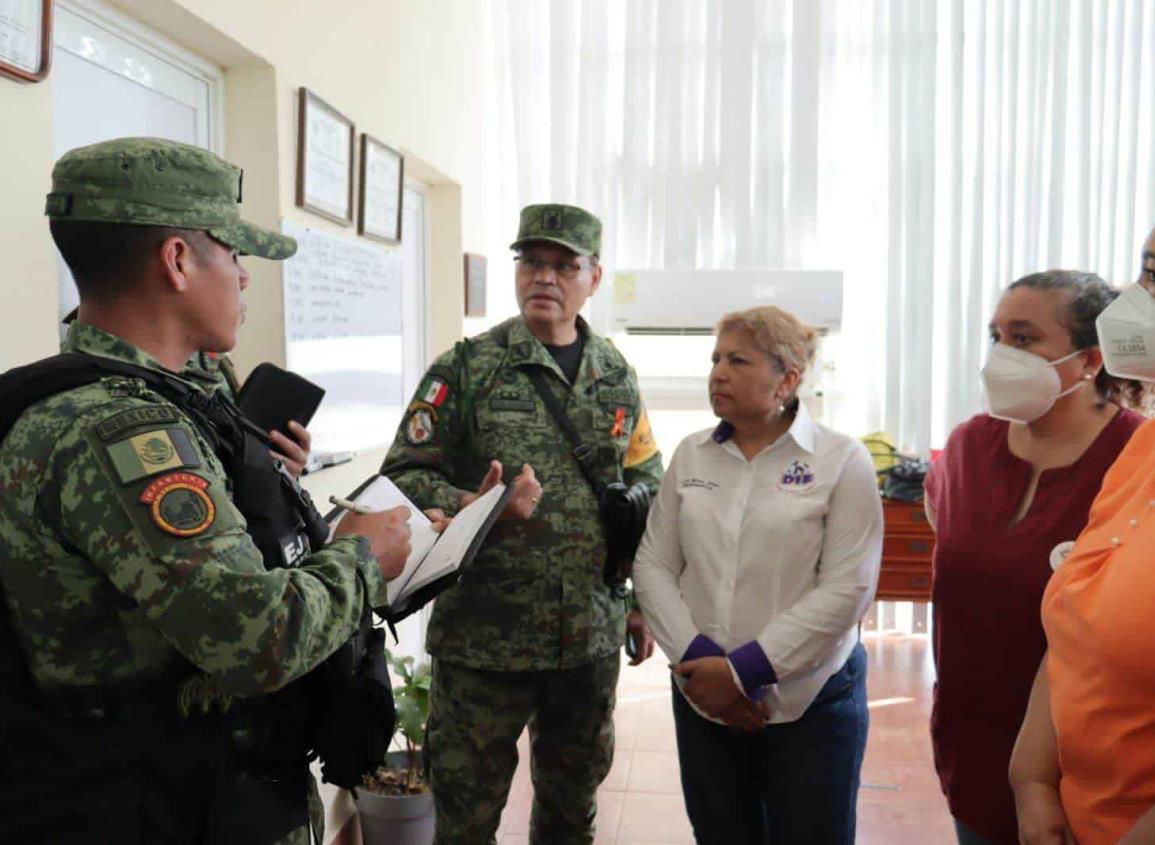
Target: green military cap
(567,225)
(156,182)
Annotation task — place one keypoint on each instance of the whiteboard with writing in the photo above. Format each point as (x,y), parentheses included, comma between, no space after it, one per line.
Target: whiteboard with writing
(343,329)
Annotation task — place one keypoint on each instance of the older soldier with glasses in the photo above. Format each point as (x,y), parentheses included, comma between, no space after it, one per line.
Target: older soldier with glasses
(531,634)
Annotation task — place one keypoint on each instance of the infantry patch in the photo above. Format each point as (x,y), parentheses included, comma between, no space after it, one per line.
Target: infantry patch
(435,392)
(151,452)
(135,418)
(642,444)
(421,426)
(179,504)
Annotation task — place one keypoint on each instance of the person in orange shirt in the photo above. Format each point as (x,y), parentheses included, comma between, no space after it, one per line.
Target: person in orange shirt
(1083,769)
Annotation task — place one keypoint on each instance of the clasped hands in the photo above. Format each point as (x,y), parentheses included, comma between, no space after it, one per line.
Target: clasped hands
(710,686)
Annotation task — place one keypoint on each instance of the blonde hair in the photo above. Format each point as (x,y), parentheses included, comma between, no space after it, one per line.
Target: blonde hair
(787,341)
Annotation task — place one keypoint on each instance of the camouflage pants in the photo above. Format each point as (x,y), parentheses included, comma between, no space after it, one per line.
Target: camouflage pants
(476,717)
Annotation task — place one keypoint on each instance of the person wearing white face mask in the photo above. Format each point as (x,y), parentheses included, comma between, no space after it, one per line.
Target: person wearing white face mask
(1083,768)
(1023,386)
(1009,487)
(1126,328)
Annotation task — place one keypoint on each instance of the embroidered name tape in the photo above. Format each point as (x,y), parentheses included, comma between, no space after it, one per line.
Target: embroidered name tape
(700,483)
(136,418)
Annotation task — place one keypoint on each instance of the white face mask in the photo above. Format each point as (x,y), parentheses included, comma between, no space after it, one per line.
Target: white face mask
(1126,330)
(1022,386)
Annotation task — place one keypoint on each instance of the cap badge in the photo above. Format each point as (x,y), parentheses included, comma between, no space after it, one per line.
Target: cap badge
(58,205)
(551,220)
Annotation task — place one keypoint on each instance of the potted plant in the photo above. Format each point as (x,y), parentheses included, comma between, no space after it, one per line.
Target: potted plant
(395,804)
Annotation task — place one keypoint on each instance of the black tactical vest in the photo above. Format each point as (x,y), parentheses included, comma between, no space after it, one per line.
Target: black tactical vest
(121,764)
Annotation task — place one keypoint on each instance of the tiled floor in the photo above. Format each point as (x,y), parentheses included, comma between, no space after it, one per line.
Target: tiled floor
(641,800)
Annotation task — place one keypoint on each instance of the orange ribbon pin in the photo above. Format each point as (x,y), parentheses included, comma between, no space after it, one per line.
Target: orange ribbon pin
(619,423)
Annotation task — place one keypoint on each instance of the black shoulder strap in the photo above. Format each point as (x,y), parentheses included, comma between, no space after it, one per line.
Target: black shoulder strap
(580,450)
(22,387)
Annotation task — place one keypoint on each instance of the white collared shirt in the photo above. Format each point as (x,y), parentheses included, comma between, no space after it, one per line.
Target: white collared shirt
(782,551)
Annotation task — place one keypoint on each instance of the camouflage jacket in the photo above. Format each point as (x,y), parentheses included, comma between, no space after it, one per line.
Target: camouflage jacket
(212,373)
(122,555)
(534,597)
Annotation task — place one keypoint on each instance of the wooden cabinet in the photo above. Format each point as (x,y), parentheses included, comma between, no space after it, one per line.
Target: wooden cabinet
(907,546)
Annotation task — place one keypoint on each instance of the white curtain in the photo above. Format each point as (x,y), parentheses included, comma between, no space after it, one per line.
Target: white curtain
(932,150)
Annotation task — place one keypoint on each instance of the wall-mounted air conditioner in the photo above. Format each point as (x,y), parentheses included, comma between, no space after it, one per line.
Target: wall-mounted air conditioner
(690,302)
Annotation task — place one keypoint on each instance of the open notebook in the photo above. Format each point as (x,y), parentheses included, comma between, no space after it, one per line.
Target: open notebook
(434,556)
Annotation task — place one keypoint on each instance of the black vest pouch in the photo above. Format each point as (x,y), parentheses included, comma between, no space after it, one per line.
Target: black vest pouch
(113,765)
(358,715)
(269,502)
(260,807)
(623,510)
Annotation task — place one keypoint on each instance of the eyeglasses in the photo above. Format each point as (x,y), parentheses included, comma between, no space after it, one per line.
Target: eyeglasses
(565,269)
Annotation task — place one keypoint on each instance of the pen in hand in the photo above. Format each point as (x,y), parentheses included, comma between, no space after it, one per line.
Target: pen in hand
(352,507)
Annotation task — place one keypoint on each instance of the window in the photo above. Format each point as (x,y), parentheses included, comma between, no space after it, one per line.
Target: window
(112,77)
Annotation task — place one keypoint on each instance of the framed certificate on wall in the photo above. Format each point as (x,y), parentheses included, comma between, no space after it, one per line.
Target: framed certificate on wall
(382,181)
(474,285)
(25,39)
(325,140)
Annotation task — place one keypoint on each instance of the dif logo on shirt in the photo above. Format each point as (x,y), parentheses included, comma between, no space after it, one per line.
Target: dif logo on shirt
(797,478)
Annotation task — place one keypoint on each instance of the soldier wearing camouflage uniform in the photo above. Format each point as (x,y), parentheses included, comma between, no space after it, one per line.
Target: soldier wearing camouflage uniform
(139,608)
(531,634)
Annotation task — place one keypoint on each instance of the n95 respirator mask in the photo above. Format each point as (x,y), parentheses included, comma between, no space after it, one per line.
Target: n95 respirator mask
(1022,386)
(1126,330)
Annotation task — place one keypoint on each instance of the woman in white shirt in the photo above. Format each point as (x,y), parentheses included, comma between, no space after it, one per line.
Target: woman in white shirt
(760,557)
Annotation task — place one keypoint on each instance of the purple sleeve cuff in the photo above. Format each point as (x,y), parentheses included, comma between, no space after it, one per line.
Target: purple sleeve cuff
(750,662)
(702,646)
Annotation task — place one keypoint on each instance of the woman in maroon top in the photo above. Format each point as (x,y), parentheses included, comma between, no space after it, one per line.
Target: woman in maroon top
(1008,488)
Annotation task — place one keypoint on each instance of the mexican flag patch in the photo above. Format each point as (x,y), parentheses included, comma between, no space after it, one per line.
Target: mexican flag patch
(434,393)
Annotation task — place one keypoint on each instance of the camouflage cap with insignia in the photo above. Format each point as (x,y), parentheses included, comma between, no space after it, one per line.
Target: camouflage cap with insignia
(567,225)
(156,182)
